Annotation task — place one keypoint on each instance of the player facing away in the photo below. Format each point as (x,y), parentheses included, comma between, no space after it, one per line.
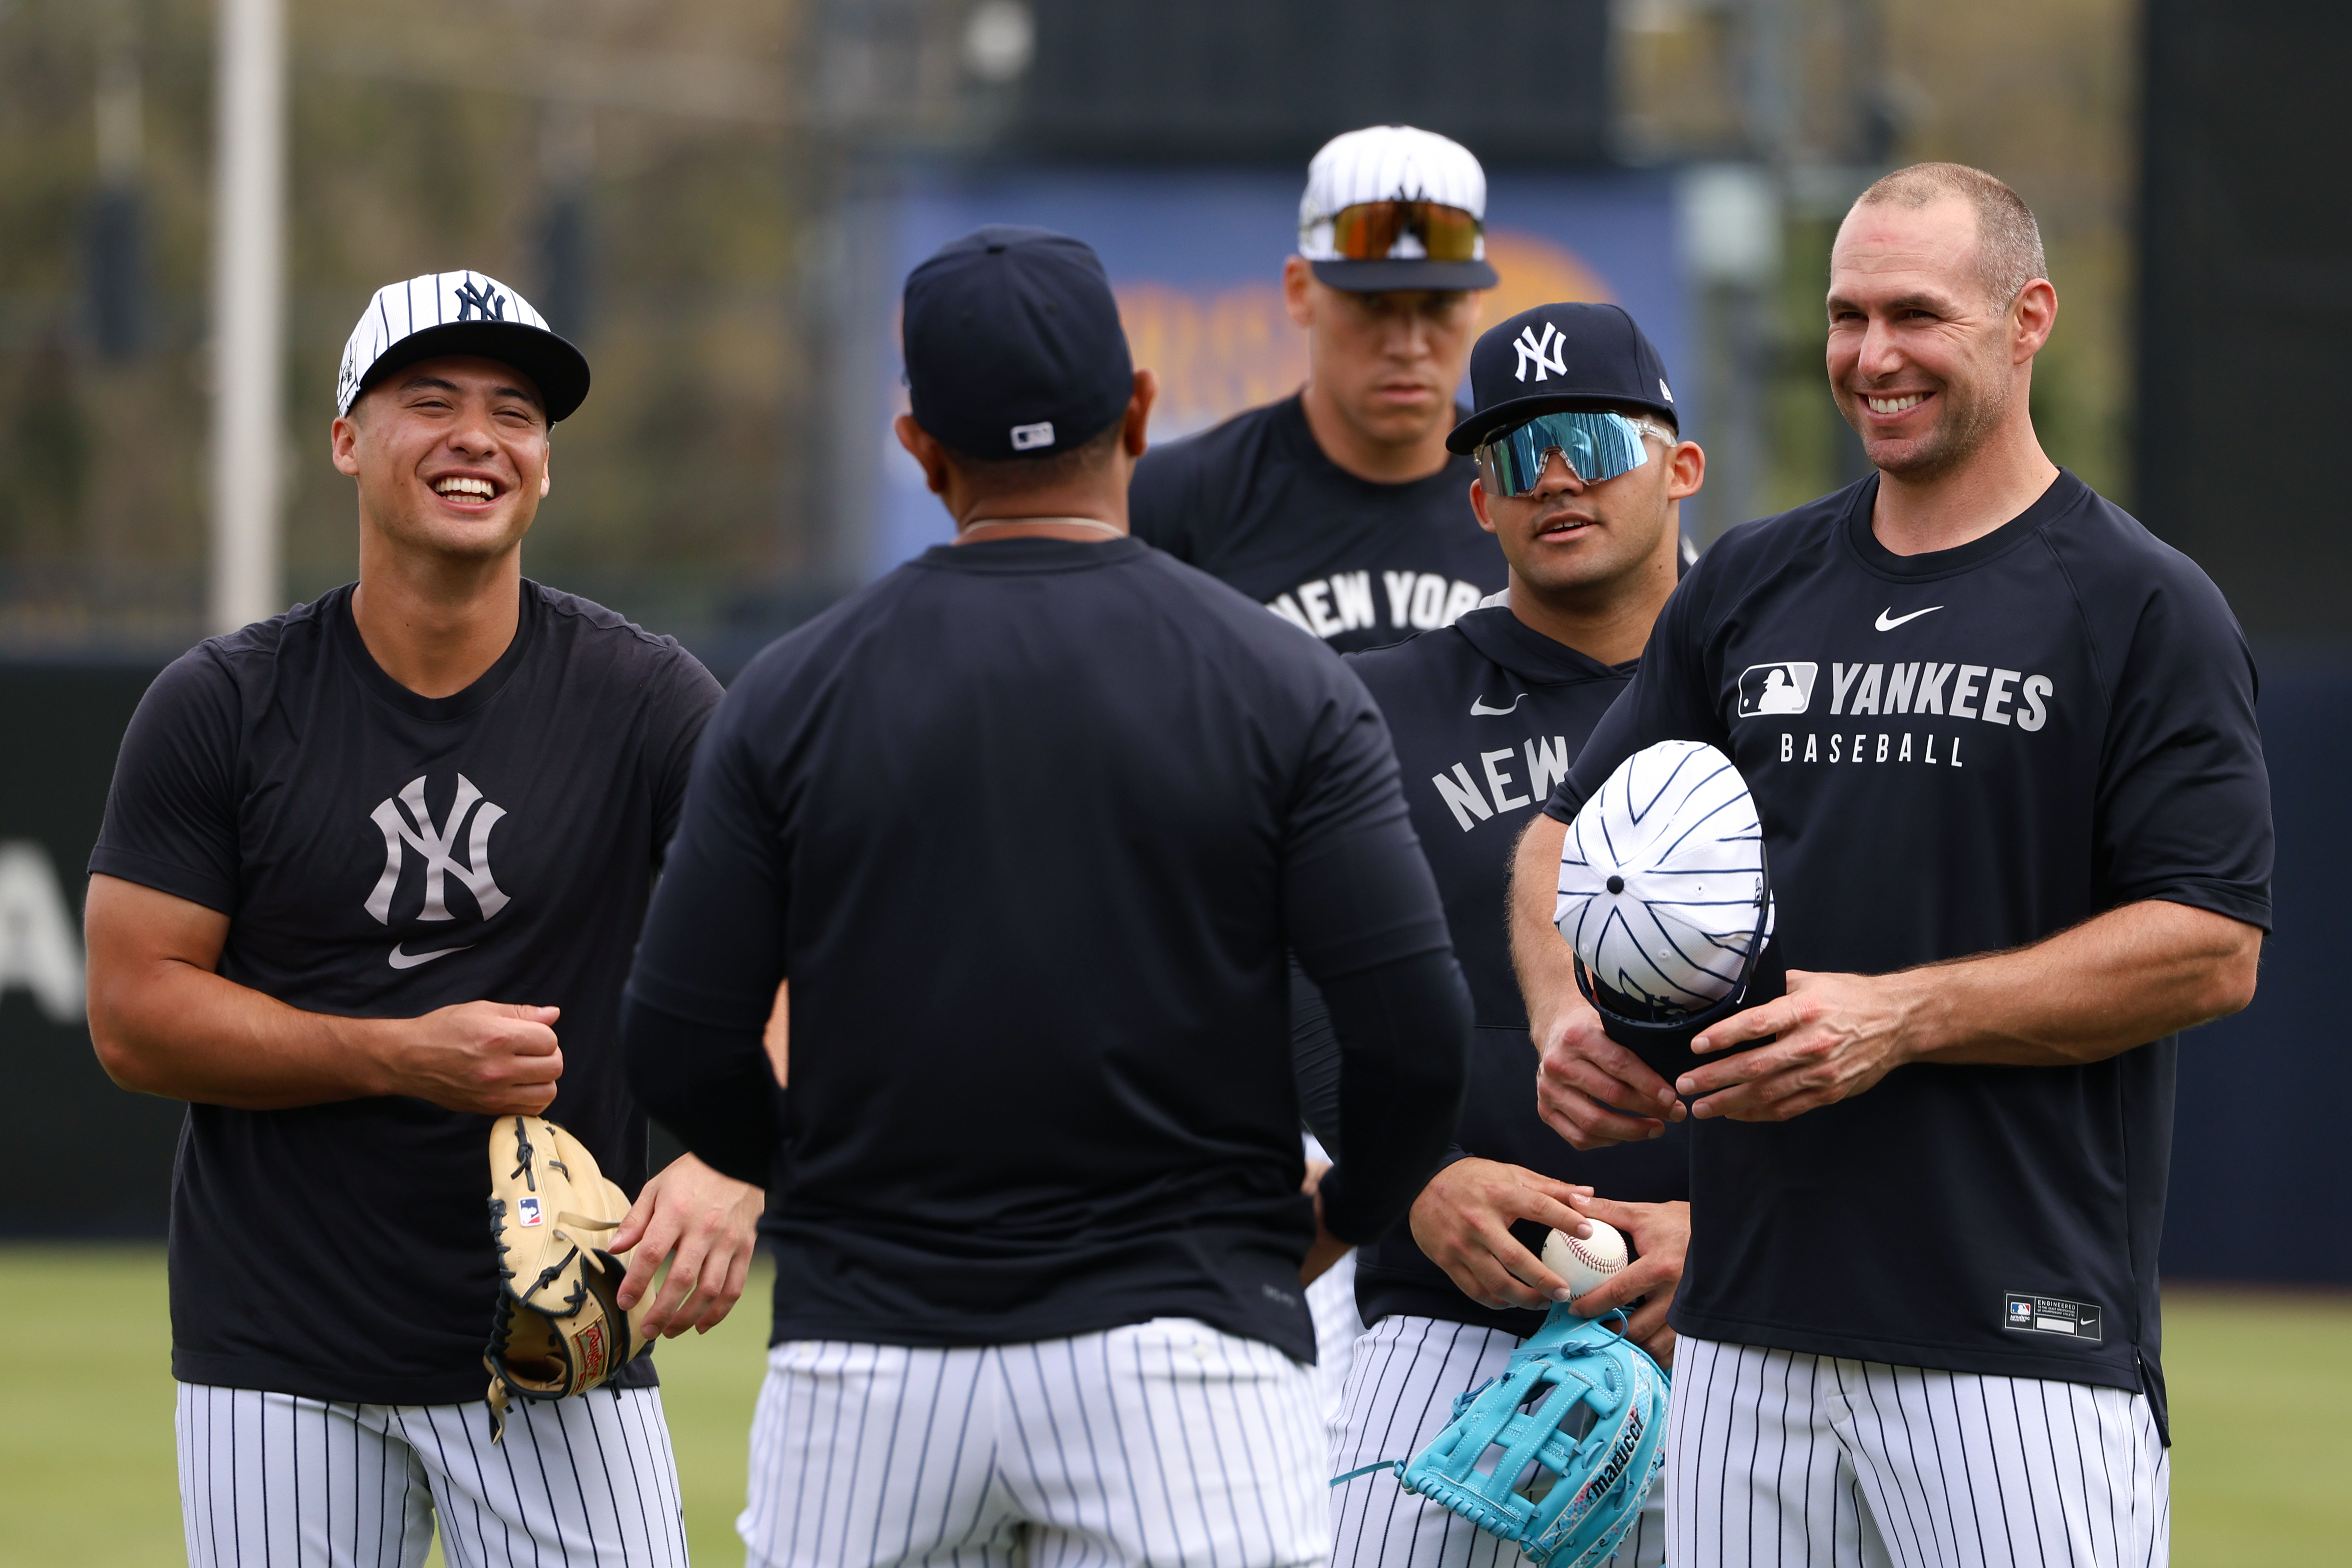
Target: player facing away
(1039,1267)
(1581,480)
(1339,508)
(2019,832)
(370,875)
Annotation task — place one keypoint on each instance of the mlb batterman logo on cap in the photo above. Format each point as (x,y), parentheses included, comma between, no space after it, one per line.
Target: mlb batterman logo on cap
(460,313)
(1390,206)
(1014,345)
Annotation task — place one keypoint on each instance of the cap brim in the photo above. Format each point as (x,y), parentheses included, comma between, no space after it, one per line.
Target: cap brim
(559,370)
(1380,277)
(1467,437)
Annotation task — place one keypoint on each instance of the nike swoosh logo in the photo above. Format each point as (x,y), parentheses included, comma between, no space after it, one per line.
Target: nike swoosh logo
(1478,708)
(400,959)
(1888,620)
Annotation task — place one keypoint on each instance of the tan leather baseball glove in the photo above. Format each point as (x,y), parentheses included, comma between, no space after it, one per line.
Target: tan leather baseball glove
(556,1330)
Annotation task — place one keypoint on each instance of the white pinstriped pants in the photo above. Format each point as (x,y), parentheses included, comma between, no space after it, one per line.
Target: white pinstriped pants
(1164,1442)
(302,1483)
(1778,1457)
(1400,1395)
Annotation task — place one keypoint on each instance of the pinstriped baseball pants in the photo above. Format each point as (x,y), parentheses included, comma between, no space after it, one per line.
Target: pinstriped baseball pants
(1165,1443)
(302,1483)
(1783,1458)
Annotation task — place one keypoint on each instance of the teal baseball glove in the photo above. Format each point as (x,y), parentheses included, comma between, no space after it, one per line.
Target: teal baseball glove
(1579,1416)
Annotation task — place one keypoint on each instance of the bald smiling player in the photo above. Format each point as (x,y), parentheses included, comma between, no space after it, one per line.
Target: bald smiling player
(2020,835)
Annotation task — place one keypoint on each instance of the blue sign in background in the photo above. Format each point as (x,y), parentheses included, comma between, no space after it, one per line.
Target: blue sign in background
(1196,257)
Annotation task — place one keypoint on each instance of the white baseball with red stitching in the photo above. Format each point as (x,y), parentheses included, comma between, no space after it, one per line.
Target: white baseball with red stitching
(1585,1264)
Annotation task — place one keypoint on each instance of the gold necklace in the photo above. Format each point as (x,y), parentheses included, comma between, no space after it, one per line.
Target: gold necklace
(1031,522)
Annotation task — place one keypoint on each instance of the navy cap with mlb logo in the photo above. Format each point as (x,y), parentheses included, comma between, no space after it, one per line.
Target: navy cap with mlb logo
(1558,357)
(1014,345)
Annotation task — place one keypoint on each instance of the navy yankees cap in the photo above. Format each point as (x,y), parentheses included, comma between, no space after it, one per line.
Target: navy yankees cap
(1558,357)
(1013,346)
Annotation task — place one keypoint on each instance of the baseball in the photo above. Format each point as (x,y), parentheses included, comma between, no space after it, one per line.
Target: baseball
(1585,1264)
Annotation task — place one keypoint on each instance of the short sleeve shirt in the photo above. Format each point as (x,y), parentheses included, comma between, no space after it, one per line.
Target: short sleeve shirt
(1255,503)
(381,855)
(1954,754)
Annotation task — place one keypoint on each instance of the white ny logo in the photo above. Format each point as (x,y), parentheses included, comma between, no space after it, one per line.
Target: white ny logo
(1532,352)
(417,832)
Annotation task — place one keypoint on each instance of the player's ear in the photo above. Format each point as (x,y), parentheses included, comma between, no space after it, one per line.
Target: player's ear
(342,444)
(1137,418)
(547,471)
(1685,471)
(2033,318)
(1478,506)
(1298,290)
(925,449)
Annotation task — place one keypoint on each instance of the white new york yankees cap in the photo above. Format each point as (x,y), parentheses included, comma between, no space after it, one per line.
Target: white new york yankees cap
(1392,206)
(460,313)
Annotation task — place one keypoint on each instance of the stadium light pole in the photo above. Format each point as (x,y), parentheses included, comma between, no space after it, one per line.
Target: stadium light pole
(248,309)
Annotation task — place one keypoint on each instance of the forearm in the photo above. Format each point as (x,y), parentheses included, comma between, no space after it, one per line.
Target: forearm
(2120,980)
(715,1087)
(1404,1030)
(164,1026)
(1546,968)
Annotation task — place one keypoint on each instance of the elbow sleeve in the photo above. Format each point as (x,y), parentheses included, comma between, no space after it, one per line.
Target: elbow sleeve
(1403,1032)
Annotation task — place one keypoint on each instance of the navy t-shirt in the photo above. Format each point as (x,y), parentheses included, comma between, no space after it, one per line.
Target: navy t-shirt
(1487,716)
(1255,503)
(1031,826)
(381,855)
(1954,754)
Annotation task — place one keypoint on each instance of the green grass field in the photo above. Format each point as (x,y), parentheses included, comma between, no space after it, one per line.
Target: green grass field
(2261,1472)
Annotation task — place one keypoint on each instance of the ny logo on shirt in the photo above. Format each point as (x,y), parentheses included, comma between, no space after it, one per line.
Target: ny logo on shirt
(416,830)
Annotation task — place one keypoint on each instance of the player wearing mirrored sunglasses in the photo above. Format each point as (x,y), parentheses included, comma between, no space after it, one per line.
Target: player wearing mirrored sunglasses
(1580,480)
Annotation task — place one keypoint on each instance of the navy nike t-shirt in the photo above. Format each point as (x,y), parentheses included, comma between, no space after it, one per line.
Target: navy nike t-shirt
(1254,503)
(1954,754)
(381,855)
(1486,715)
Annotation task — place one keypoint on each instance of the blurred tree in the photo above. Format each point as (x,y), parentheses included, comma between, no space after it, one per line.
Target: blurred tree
(602,155)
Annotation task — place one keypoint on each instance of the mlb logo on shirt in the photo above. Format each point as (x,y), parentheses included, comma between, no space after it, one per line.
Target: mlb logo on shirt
(1777,688)
(2021,1311)
(527,1209)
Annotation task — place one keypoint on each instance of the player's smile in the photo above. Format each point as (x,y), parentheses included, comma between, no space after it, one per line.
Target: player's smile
(467,492)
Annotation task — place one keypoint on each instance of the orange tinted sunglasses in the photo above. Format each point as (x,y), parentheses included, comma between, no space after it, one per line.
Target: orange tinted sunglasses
(1370,230)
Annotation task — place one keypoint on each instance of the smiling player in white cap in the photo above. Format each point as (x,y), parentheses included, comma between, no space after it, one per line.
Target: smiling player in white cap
(371,873)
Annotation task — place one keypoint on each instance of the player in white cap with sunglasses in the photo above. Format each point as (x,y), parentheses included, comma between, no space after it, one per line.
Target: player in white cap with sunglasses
(1340,506)
(371,873)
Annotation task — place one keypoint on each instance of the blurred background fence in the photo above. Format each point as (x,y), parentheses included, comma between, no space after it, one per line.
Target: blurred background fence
(718,199)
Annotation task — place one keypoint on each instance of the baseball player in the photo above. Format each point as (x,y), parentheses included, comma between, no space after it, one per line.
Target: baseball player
(1581,480)
(2019,832)
(1038,1268)
(371,873)
(1339,508)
